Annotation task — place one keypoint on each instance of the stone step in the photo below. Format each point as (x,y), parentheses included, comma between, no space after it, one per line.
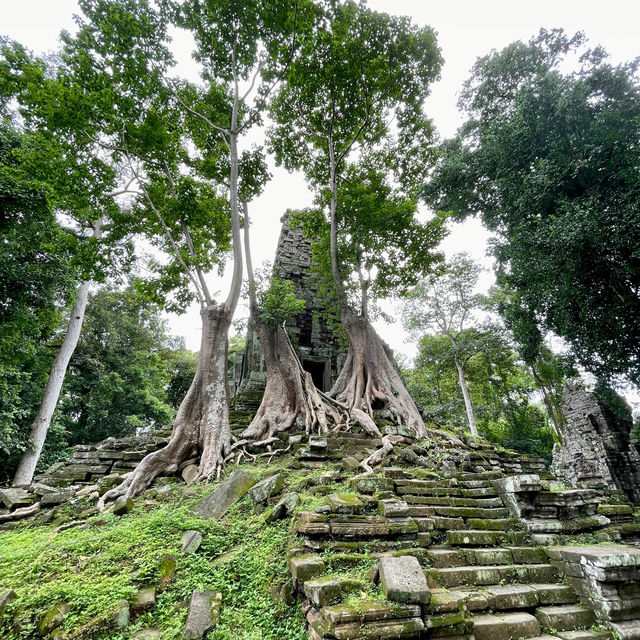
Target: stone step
(587,634)
(527,596)
(443,557)
(505,626)
(483,492)
(627,630)
(565,617)
(329,590)
(490,575)
(368,611)
(476,537)
(445,501)
(482,475)
(493,524)
(471,512)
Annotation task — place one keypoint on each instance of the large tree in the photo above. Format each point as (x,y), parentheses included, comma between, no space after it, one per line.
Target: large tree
(549,159)
(448,304)
(81,187)
(358,72)
(181,144)
(36,281)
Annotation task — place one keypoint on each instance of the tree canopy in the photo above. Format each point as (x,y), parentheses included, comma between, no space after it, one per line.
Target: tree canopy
(549,160)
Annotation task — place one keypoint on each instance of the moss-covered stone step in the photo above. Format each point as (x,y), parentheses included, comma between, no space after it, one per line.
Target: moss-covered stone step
(483,475)
(527,596)
(471,512)
(490,575)
(587,634)
(565,617)
(493,524)
(368,610)
(329,590)
(346,526)
(329,545)
(505,626)
(482,492)
(447,501)
(402,629)
(480,538)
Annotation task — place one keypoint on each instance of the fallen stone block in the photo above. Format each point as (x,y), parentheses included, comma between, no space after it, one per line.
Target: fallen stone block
(266,488)
(190,541)
(122,505)
(225,495)
(204,613)
(284,508)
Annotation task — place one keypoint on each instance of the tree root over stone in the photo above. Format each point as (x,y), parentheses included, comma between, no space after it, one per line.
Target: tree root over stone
(202,423)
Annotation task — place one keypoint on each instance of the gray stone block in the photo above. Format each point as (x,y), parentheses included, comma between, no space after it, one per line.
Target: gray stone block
(403,580)
(225,495)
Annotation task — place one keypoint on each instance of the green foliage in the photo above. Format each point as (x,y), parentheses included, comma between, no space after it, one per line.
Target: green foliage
(93,568)
(37,279)
(358,69)
(278,303)
(500,387)
(127,373)
(549,159)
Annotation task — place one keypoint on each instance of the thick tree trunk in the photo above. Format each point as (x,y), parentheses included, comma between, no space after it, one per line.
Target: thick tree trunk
(471,419)
(369,379)
(201,427)
(290,395)
(42,421)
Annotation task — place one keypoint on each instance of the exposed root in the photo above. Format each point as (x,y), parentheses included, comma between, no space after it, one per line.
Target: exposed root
(202,423)
(369,380)
(18,514)
(449,437)
(388,442)
(290,398)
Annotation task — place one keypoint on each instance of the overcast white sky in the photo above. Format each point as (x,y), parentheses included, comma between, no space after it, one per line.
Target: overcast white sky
(466,29)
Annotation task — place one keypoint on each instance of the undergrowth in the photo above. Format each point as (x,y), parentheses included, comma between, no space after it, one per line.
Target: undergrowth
(94,568)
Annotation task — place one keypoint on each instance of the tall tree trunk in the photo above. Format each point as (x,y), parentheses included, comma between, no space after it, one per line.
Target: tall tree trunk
(368,378)
(42,421)
(471,419)
(202,425)
(548,403)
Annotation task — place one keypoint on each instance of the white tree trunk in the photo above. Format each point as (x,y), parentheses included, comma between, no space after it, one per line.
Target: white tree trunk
(40,426)
(467,400)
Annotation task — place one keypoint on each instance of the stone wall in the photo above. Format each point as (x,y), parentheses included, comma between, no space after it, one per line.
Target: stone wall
(599,448)
(317,344)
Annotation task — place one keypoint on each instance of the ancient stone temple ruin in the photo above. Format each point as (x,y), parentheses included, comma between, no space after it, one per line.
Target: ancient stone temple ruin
(599,448)
(317,344)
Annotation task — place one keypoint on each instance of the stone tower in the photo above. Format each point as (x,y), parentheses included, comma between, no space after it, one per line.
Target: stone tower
(318,346)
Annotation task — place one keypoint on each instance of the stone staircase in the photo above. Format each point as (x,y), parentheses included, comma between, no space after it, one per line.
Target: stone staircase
(410,553)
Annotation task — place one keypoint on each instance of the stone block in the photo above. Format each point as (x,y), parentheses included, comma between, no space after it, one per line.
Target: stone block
(565,617)
(6,598)
(284,508)
(345,503)
(190,473)
(190,541)
(122,506)
(204,613)
(515,596)
(13,497)
(225,495)
(305,567)
(266,488)
(391,508)
(403,580)
(505,626)
(330,590)
(145,599)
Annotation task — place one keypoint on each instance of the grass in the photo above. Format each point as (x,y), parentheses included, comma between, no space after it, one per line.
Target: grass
(94,568)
